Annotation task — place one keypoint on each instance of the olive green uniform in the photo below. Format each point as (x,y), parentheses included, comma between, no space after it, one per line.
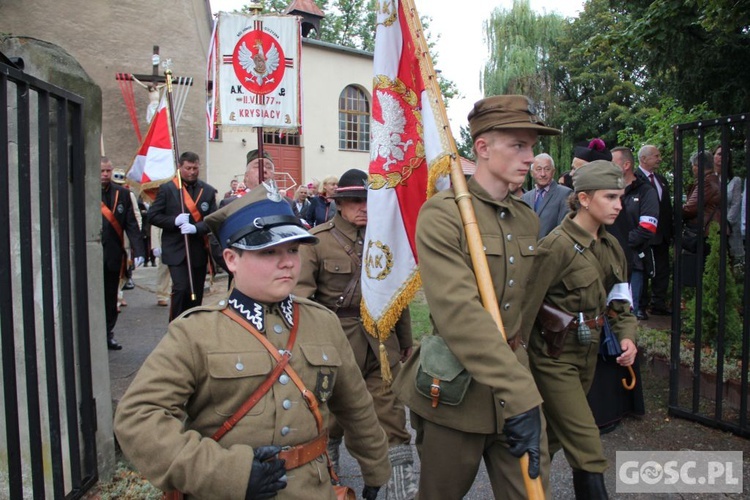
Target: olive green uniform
(452,440)
(203,371)
(327,271)
(566,277)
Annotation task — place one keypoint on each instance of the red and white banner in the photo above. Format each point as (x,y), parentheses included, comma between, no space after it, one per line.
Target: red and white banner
(154,162)
(409,154)
(259,71)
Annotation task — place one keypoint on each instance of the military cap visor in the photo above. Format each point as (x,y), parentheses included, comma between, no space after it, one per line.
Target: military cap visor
(506,112)
(262,225)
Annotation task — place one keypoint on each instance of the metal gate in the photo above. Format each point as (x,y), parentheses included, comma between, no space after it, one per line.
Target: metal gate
(710,324)
(48,411)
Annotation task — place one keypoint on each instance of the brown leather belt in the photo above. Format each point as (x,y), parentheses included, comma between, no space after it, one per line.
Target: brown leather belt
(593,323)
(299,455)
(348,312)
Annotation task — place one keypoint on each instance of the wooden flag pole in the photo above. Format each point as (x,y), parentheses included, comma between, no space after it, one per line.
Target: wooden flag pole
(534,489)
(176,156)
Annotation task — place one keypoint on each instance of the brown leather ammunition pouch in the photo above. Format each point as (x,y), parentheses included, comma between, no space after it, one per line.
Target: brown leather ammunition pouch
(554,325)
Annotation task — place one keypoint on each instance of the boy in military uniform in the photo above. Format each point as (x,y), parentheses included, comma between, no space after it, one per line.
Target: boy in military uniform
(499,418)
(215,357)
(330,275)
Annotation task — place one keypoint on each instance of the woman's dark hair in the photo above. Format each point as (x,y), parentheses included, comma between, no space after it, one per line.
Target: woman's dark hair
(728,155)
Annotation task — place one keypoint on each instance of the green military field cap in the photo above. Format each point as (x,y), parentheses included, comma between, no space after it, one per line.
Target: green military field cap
(261,218)
(599,174)
(254,154)
(506,112)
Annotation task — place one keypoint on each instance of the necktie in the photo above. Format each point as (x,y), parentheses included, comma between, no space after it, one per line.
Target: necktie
(539,199)
(651,178)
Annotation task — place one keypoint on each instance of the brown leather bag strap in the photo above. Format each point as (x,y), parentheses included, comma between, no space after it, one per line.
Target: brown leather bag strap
(312,402)
(254,397)
(282,363)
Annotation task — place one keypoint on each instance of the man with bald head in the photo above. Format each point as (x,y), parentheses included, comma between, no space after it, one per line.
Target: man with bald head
(548,198)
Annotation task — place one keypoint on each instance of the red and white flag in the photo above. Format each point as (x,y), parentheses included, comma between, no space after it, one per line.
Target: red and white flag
(154,163)
(409,154)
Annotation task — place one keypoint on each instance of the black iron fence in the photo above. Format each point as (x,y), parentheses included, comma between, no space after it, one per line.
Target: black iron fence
(710,324)
(48,412)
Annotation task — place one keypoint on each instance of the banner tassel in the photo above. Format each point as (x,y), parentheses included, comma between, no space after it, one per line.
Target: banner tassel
(385,368)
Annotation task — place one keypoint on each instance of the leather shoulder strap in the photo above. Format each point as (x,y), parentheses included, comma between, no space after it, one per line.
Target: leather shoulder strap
(312,402)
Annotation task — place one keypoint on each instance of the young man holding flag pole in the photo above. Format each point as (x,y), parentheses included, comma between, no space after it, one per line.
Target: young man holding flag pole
(498,418)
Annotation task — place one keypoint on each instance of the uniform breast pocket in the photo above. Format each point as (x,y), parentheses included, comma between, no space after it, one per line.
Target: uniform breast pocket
(582,278)
(323,361)
(338,266)
(233,377)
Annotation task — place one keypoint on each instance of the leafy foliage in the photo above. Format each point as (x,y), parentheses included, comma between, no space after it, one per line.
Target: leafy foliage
(714,299)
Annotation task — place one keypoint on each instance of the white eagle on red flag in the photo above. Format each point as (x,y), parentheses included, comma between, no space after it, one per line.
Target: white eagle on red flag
(260,65)
(409,154)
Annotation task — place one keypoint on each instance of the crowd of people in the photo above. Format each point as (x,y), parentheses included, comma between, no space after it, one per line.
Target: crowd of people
(252,396)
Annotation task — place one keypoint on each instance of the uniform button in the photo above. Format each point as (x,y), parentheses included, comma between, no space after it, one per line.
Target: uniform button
(502,214)
(531,248)
(222,302)
(284,379)
(509,237)
(502,403)
(511,283)
(325,357)
(285,430)
(484,248)
(506,306)
(512,260)
(337,268)
(239,366)
(278,328)
(286,404)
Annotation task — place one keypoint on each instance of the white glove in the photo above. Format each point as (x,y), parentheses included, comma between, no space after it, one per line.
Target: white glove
(157,252)
(138,261)
(182,219)
(188,229)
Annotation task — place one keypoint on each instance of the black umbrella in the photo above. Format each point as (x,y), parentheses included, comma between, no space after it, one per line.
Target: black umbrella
(610,346)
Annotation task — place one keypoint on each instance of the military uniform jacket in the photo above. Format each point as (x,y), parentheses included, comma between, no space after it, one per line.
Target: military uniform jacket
(327,270)
(502,385)
(207,366)
(112,246)
(639,202)
(565,276)
(163,212)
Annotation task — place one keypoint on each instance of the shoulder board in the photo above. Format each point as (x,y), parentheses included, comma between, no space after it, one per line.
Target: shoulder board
(326,226)
(311,303)
(214,306)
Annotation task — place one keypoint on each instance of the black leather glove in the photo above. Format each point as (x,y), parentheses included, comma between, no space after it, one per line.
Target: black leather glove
(523,433)
(268,474)
(370,492)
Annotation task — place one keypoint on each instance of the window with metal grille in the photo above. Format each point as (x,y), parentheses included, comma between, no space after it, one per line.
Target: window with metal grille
(281,137)
(354,119)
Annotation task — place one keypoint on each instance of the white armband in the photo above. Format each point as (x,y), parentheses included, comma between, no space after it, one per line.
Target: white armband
(621,291)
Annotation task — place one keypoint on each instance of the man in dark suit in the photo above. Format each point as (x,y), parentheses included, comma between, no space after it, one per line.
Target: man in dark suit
(118,218)
(548,198)
(167,213)
(649,159)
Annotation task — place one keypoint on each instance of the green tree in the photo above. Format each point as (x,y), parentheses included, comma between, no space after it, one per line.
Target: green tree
(519,42)
(695,50)
(601,88)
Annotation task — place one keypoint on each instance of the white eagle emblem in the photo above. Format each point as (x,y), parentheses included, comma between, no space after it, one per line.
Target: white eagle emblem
(259,64)
(386,135)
